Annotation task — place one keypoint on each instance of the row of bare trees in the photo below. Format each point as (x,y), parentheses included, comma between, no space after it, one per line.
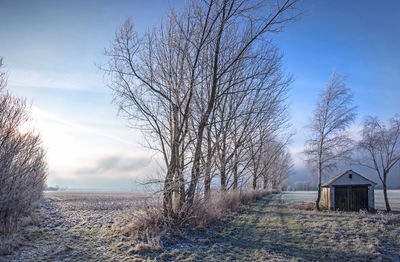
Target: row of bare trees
(330,143)
(207,88)
(22,161)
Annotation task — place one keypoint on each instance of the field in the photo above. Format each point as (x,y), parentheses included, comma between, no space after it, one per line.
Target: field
(269,230)
(83,226)
(77,226)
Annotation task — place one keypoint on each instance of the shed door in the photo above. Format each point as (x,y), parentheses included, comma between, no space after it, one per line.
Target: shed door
(351,198)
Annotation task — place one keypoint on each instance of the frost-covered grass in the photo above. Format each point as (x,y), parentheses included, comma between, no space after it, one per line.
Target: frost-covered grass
(82,226)
(77,226)
(269,230)
(149,227)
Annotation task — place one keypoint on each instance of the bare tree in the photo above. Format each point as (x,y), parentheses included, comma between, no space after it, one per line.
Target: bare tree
(382,145)
(256,101)
(153,79)
(276,164)
(238,32)
(3,76)
(280,171)
(333,114)
(22,161)
(209,161)
(170,80)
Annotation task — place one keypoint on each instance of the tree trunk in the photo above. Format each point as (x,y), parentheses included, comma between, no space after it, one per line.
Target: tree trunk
(254,181)
(207,184)
(207,171)
(167,193)
(318,197)
(319,185)
(265,184)
(172,176)
(196,165)
(223,164)
(204,121)
(181,181)
(223,177)
(385,193)
(255,174)
(235,175)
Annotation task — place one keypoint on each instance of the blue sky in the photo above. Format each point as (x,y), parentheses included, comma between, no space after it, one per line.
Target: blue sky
(50,49)
(359,39)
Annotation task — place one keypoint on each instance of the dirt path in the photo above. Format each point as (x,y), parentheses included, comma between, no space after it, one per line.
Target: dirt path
(269,230)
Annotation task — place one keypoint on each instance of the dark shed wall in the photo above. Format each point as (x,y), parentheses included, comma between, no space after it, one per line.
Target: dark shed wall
(351,198)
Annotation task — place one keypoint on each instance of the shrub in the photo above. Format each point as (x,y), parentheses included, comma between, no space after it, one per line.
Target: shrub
(149,226)
(211,209)
(22,162)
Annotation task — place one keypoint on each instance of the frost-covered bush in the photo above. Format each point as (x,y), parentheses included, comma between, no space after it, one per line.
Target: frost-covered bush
(22,161)
(149,227)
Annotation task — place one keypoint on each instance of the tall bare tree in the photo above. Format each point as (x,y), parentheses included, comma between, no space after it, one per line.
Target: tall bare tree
(333,114)
(239,30)
(256,101)
(382,145)
(154,79)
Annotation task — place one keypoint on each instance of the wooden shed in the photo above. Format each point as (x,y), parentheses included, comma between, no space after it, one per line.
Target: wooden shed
(348,191)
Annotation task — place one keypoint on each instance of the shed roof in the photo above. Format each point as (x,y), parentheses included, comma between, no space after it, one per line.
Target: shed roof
(326,184)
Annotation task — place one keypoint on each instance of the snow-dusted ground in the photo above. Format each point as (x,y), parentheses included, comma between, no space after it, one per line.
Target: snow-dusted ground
(79,226)
(269,230)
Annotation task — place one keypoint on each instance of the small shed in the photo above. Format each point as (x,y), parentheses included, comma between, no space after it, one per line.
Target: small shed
(348,191)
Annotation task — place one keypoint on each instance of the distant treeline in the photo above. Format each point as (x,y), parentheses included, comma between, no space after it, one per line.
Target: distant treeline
(54,188)
(304,186)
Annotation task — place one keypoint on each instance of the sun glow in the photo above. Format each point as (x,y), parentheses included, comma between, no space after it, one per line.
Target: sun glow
(25,128)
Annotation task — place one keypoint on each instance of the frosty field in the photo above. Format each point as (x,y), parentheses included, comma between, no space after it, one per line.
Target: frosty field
(77,226)
(83,226)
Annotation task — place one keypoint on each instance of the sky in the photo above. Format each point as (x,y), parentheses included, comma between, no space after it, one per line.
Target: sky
(51,49)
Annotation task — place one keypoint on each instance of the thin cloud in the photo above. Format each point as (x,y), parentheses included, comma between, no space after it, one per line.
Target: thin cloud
(117,164)
(49,79)
(43,114)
